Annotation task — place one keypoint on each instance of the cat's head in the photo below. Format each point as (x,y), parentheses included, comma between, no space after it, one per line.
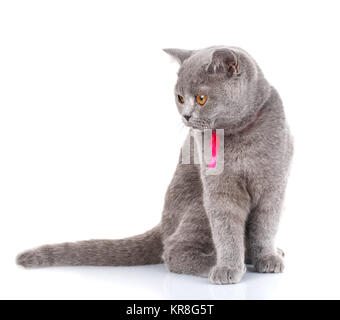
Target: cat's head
(218,88)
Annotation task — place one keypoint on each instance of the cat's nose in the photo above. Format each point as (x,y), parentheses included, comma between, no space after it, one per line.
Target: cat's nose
(187,117)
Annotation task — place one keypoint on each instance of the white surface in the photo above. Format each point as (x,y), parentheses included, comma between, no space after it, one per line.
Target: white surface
(155,282)
(86,95)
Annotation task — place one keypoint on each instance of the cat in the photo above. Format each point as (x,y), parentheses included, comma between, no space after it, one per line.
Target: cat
(212,224)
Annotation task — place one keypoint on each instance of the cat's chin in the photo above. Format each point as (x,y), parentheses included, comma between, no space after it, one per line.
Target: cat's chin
(229,128)
(198,125)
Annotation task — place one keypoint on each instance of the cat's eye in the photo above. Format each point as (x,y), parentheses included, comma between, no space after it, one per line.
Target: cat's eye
(180,99)
(201,99)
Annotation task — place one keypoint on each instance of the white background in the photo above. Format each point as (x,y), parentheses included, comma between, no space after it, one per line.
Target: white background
(90,136)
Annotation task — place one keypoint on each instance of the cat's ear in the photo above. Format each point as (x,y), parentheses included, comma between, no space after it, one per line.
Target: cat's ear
(179,54)
(223,61)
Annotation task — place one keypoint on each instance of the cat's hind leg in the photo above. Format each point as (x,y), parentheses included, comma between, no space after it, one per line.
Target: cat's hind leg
(190,249)
(248,259)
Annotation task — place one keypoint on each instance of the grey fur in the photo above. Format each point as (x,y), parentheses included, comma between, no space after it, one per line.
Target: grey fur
(211,224)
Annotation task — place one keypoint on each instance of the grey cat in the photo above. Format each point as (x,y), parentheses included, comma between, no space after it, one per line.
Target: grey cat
(211,224)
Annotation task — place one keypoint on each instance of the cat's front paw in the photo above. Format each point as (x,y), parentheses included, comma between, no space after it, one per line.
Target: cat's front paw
(226,275)
(270,264)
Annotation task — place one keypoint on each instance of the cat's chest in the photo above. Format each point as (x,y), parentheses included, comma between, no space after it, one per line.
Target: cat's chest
(220,153)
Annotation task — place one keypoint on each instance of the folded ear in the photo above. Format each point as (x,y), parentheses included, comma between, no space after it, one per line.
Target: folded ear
(223,61)
(179,54)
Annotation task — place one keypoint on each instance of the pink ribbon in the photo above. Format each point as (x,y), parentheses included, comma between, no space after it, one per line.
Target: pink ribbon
(214,145)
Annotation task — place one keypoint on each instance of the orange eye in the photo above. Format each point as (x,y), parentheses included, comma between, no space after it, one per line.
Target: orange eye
(180,99)
(201,100)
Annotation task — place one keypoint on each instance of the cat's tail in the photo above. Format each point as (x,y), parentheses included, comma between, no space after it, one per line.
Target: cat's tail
(142,249)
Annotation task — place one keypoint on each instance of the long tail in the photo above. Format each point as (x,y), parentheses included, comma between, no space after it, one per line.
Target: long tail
(142,249)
